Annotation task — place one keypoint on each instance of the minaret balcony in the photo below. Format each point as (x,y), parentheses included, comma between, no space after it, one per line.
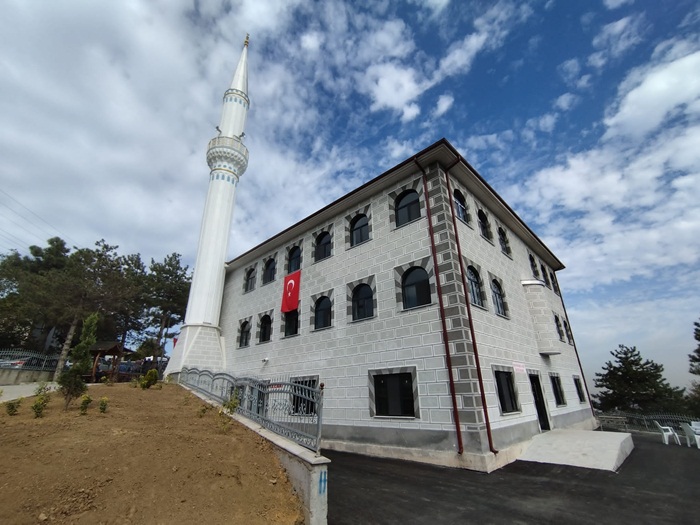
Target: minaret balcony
(228,150)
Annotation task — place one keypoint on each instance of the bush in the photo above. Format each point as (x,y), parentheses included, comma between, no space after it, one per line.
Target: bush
(152,377)
(71,385)
(13,406)
(84,404)
(103,404)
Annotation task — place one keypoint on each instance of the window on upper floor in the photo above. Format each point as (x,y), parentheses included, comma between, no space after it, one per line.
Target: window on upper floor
(244,338)
(507,395)
(323,246)
(555,284)
(362,302)
(407,207)
(269,271)
(503,240)
(249,284)
(484,225)
(291,323)
(569,335)
(557,324)
(545,278)
(499,303)
(558,391)
(322,313)
(415,287)
(294,259)
(461,206)
(265,329)
(359,230)
(475,296)
(533,267)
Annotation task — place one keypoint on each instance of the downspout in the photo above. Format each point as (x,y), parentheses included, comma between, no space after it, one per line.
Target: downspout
(448,358)
(469,310)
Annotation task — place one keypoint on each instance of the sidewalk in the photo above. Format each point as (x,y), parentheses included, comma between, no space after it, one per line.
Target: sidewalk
(10,392)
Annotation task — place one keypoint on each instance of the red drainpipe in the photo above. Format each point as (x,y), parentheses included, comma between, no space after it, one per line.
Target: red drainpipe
(469,310)
(448,359)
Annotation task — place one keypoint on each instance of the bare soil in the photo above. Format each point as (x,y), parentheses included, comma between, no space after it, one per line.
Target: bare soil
(155,456)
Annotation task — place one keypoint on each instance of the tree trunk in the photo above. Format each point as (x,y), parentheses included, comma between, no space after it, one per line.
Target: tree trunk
(66,347)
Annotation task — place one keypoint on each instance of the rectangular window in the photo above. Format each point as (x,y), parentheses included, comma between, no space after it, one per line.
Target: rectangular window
(579,390)
(506,391)
(291,323)
(558,392)
(303,397)
(393,394)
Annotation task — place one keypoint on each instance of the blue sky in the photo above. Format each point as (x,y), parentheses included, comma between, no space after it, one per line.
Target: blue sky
(584,116)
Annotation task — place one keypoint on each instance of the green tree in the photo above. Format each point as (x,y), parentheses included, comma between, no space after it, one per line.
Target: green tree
(693,396)
(631,383)
(694,358)
(71,381)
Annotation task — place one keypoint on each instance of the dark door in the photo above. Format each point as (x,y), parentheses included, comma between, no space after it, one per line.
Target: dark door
(539,401)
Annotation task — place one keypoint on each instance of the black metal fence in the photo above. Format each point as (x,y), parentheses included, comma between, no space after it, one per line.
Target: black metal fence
(26,360)
(291,407)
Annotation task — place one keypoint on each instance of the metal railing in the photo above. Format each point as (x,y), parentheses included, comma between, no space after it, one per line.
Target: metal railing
(645,422)
(18,359)
(291,408)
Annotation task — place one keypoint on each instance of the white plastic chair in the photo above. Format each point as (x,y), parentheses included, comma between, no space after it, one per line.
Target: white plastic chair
(690,434)
(666,433)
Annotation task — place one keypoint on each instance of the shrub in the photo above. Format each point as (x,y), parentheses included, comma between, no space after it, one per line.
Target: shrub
(13,406)
(103,404)
(71,385)
(84,404)
(38,408)
(232,404)
(152,377)
(136,381)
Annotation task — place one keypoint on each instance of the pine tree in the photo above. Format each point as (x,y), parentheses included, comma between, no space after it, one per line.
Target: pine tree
(695,356)
(634,384)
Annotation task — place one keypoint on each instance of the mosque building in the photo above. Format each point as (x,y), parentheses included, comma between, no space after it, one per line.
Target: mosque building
(428,309)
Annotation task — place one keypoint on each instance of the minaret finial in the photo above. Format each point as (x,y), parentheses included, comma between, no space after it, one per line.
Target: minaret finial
(247,39)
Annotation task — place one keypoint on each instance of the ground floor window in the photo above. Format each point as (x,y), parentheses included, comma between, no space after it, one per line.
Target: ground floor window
(303,399)
(558,392)
(507,396)
(393,392)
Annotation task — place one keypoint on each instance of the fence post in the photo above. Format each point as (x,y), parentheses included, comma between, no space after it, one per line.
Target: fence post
(319,416)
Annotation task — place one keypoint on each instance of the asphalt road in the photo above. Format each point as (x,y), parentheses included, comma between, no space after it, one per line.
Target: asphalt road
(656,484)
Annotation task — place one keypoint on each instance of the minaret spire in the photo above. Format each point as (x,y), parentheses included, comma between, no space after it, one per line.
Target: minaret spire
(199,343)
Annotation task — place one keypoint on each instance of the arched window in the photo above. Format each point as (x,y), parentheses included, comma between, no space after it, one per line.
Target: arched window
(555,285)
(498,299)
(291,323)
(415,288)
(265,328)
(569,335)
(557,323)
(407,207)
(249,280)
(533,266)
(322,313)
(460,206)
(323,246)
(362,302)
(294,260)
(269,272)
(544,276)
(359,230)
(244,339)
(474,286)
(503,239)
(484,225)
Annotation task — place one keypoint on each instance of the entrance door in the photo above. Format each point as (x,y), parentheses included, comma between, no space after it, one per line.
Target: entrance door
(539,401)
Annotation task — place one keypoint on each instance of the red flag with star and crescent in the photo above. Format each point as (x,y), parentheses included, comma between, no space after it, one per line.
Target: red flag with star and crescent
(290,296)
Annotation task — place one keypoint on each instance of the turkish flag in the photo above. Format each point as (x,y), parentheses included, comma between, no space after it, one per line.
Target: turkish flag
(290,296)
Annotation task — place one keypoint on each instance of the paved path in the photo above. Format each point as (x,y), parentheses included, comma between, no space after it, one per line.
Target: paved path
(10,392)
(657,484)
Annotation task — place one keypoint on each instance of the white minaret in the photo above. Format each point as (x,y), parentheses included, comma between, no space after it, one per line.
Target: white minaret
(199,344)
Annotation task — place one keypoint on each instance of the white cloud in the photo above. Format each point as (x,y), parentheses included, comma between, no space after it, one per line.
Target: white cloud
(565,102)
(444,103)
(410,112)
(616,38)
(570,70)
(614,4)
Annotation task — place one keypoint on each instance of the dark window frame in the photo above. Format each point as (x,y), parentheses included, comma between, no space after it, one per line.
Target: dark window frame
(249,281)
(503,241)
(270,271)
(322,313)
(324,246)
(484,225)
(558,391)
(362,307)
(507,393)
(533,267)
(265,329)
(416,292)
(461,209)
(291,323)
(407,208)
(294,259)
(579,389)
(474,282)
(393,395)
(499,300)
(244,337)
(560,330)
(359,233)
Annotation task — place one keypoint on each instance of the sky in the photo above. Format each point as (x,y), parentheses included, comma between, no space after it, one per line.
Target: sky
(583,116)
